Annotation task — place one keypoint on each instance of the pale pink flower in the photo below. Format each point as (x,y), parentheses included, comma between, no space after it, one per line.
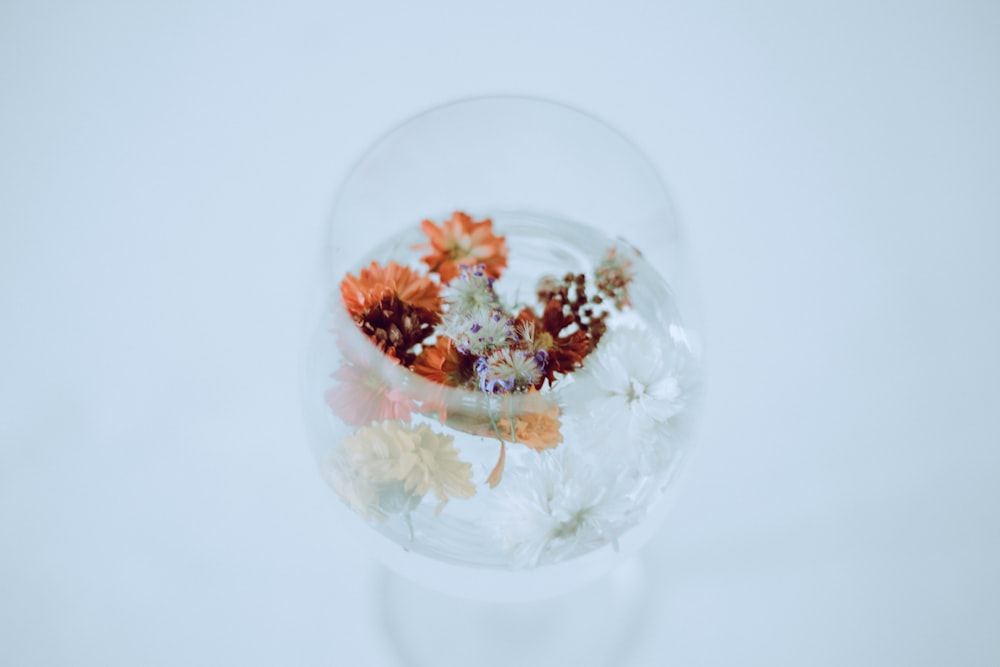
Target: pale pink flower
(364,396)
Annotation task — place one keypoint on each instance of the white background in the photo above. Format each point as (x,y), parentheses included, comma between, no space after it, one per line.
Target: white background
(165,173)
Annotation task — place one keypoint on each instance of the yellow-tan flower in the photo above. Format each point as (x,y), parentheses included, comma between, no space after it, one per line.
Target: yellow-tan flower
(388,467)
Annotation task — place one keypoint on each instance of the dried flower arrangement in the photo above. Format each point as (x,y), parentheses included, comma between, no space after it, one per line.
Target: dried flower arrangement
(448,325)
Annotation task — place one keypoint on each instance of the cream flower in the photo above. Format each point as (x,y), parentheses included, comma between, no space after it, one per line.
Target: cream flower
(388,467)
(635,390)
(554,507)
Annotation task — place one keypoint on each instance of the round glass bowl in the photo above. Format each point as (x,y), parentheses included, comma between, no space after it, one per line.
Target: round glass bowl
(503,380)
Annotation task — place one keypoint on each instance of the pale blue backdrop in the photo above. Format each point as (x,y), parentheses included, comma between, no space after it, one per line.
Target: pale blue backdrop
(165,173)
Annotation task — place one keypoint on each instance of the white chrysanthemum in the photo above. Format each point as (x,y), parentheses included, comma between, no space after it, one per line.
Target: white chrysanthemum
(388,467)
(634,390)
(553,507)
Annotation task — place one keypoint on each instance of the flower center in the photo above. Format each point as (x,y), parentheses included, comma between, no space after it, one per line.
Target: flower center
(636,390)
(569,528)
(459,247)
(373,383)
(545,341)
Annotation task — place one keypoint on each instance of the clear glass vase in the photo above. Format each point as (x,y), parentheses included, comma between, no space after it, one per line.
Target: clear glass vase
(505,375)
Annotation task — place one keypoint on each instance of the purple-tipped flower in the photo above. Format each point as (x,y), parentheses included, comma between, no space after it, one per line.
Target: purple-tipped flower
(475,318)
(479,332)
(508,369)
(542,359)
(471,291)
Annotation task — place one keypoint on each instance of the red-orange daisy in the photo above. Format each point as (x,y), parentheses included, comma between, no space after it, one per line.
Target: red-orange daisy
(395,307)
(376,282)
(563,352)
(444,363)
(462,240)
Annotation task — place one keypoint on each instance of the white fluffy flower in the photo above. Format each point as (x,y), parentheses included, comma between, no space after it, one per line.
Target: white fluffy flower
(554,507)
(633,393)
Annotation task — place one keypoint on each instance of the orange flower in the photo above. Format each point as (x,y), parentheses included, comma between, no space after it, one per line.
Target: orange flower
(537,430)
(461,240)
(377,282)
(444,364)
(394,306)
